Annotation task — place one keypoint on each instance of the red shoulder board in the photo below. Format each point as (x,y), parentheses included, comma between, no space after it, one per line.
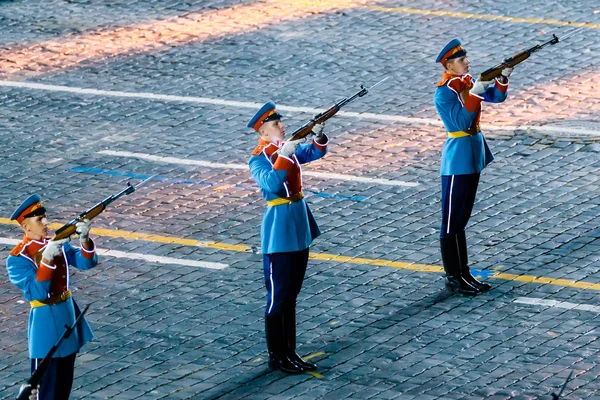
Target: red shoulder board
(258,150)
(17,250)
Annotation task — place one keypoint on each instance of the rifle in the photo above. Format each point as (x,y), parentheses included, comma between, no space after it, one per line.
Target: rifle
(557,396)
(69,228)
(518,58)
(306,129)
(36,377)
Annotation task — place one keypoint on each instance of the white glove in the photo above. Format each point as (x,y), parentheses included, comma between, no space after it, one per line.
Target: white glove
(32,394)
(480,87)
(506,72)
(317,130)
(289,148)
(53,249)
(83,229)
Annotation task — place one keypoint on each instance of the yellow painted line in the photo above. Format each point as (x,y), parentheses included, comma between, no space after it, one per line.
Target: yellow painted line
(326,257)
(315,374)
(317,354)
(503,18)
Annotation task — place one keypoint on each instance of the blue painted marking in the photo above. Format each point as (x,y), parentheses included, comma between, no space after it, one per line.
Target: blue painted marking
(483,273)
(195,182)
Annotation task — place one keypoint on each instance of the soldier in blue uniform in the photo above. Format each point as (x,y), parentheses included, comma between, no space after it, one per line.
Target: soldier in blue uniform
(40,268)
(287,230)
(458,99)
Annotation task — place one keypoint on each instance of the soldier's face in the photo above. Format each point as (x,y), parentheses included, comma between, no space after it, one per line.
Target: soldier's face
(272,131)
(36,227)
(458,66)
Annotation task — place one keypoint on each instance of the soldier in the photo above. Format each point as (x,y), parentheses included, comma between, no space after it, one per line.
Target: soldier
(465,154)
(287,230)
(40,268)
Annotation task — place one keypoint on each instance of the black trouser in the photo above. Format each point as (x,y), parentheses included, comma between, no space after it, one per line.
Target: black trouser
(57,381)
(458,197)
(284,274)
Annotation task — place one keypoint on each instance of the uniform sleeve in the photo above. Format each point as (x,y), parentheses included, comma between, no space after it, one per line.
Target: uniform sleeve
(496,93)
(452,110)
(311,151)
(269,177)
(23,274)
(81,258)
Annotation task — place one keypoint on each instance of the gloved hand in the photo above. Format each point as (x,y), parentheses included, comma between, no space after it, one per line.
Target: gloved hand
(32,394)
(506,72)
(83,229)
(317,130)
(480,87)
(53,249)
(289,148)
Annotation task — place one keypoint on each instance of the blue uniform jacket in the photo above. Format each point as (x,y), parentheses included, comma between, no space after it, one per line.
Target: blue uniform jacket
(285,227)
(461,111)
(47,323)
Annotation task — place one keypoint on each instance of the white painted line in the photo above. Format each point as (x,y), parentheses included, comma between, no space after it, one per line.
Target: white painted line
(209,164)
(557,304)
(548,129)
(143,257)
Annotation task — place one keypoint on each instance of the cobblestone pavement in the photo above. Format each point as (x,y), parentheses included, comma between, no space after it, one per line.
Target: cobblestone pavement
(166,331)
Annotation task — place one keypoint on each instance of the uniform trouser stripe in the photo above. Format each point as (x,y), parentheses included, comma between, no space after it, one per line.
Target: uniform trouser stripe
(450,204)
(272,287)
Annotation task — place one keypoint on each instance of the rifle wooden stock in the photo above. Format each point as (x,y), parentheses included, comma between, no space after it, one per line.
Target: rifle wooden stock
(496,71)
(306,129)
(69,228)
(518,58)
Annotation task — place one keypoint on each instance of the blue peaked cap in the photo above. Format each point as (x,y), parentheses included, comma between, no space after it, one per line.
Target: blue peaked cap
(266,112)
(31,200)
(453,43)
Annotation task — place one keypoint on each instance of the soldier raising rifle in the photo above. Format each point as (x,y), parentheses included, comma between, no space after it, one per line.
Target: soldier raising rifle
(39,267)
(287,231)
(458,99)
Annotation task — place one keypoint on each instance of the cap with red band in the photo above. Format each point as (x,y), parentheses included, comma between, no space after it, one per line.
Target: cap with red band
(30,207)
(265,114)
(450,51)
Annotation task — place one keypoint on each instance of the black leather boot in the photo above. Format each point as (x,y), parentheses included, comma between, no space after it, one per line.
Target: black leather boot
(276,345)
(461,238)
(452,267)
(289,326)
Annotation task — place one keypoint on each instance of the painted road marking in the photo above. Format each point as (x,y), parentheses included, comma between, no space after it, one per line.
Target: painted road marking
(208,183)
(331,257)
(503,18)
(557,304)
(143,257)
(209,164)
(547,129)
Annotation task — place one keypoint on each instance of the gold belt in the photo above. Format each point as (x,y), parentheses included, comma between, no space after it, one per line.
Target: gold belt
(459,134)
(285,200)
(52,300)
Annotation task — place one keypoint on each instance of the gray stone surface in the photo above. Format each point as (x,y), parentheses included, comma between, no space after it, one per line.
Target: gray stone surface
(177,332)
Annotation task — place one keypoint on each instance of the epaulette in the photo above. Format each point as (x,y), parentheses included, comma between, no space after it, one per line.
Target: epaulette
(258,150)
(17,250)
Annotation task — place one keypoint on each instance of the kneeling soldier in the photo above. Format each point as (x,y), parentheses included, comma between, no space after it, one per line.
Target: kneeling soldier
(465,154)
(287,231)
(40,268)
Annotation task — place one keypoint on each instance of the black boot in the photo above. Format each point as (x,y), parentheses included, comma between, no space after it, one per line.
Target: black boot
(452,267)
(277,346)
(461,238)
(289,327)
